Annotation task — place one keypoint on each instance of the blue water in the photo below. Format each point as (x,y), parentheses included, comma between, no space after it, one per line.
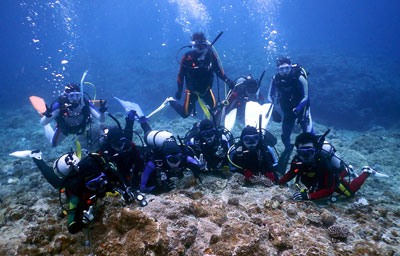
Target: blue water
(129,48)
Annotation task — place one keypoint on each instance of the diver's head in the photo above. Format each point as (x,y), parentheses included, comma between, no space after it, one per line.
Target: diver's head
(116,139)
(73,93)
(250,137)
(199,42)
(251,86)
(306,144)
(172,152)
(284,66)
(207,131)
(65,164)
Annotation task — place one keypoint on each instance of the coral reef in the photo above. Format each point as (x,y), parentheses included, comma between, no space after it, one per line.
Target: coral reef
(219,216)
(338,231)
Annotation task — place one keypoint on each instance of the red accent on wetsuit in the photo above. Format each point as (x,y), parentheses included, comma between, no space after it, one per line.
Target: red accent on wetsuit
(270,176)
(355,184)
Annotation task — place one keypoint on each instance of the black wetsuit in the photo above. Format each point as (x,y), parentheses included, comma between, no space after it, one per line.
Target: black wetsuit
(258,161)
(214,154)
(198,76)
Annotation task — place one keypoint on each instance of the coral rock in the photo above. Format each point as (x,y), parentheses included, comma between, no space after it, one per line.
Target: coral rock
(327,218)
(338,231)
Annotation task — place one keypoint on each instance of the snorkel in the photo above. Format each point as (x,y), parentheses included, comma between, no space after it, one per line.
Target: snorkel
(82,81)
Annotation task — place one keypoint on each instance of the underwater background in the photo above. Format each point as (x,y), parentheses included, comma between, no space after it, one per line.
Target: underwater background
(130,49)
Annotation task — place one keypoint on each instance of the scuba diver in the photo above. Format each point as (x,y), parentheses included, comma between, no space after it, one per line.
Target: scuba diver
(165,160)
(81,181)
(245,89)
(197,69)
(318,167)
(116,146)
(253,155)
(210,143)
(71,113)
(289,92)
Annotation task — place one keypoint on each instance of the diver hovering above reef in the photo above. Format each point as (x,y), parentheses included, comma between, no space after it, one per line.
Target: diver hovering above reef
(72,113)
(290,95)
(235,106)
(197,70)
(321,171)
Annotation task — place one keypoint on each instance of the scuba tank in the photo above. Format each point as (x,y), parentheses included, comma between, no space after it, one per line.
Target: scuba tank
(157,138)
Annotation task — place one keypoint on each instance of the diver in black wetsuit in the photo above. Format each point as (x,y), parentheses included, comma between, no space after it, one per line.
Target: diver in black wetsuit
(82,181)
(210,142)
(116,146)
(252,155)
(166,162)
(197,70)
(71,115)
(289,93)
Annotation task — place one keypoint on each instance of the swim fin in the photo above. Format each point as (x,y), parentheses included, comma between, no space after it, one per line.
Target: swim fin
(128,106)
(26,154)
(46,170)
(38,104)
(374,172)
(161,107)
(230,119)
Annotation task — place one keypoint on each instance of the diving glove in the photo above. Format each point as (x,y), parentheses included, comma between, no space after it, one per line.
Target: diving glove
(301,196)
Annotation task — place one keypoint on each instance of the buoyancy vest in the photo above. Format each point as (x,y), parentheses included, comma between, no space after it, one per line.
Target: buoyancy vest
(65,109)
(289,89)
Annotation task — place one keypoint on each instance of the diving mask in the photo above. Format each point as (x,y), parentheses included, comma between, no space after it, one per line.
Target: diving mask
(284,69)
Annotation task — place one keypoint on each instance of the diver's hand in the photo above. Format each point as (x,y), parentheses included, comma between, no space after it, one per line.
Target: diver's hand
(131,115)
(248,175)
(202,163)
(295,111)
(143,119)
(103,107)
(47,113)
(220,152)
(178,95)
(168,185)
(301,196)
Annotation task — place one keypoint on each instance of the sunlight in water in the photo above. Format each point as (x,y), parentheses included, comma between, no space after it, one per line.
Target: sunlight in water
(192,16)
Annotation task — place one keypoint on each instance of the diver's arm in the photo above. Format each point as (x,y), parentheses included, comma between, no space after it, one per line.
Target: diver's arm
(194,165)
(289,175)
(150,168)
(217,68)
(271,92)
(128,131)
(96,113)
(46,120)
(181,75)
(305,100)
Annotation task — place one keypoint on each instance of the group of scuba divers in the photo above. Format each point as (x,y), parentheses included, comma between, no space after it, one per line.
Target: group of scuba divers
(118,165)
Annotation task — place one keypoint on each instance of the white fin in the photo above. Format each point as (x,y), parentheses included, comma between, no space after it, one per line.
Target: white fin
(230,119)
(128,106)
(161,107)
(22,154)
